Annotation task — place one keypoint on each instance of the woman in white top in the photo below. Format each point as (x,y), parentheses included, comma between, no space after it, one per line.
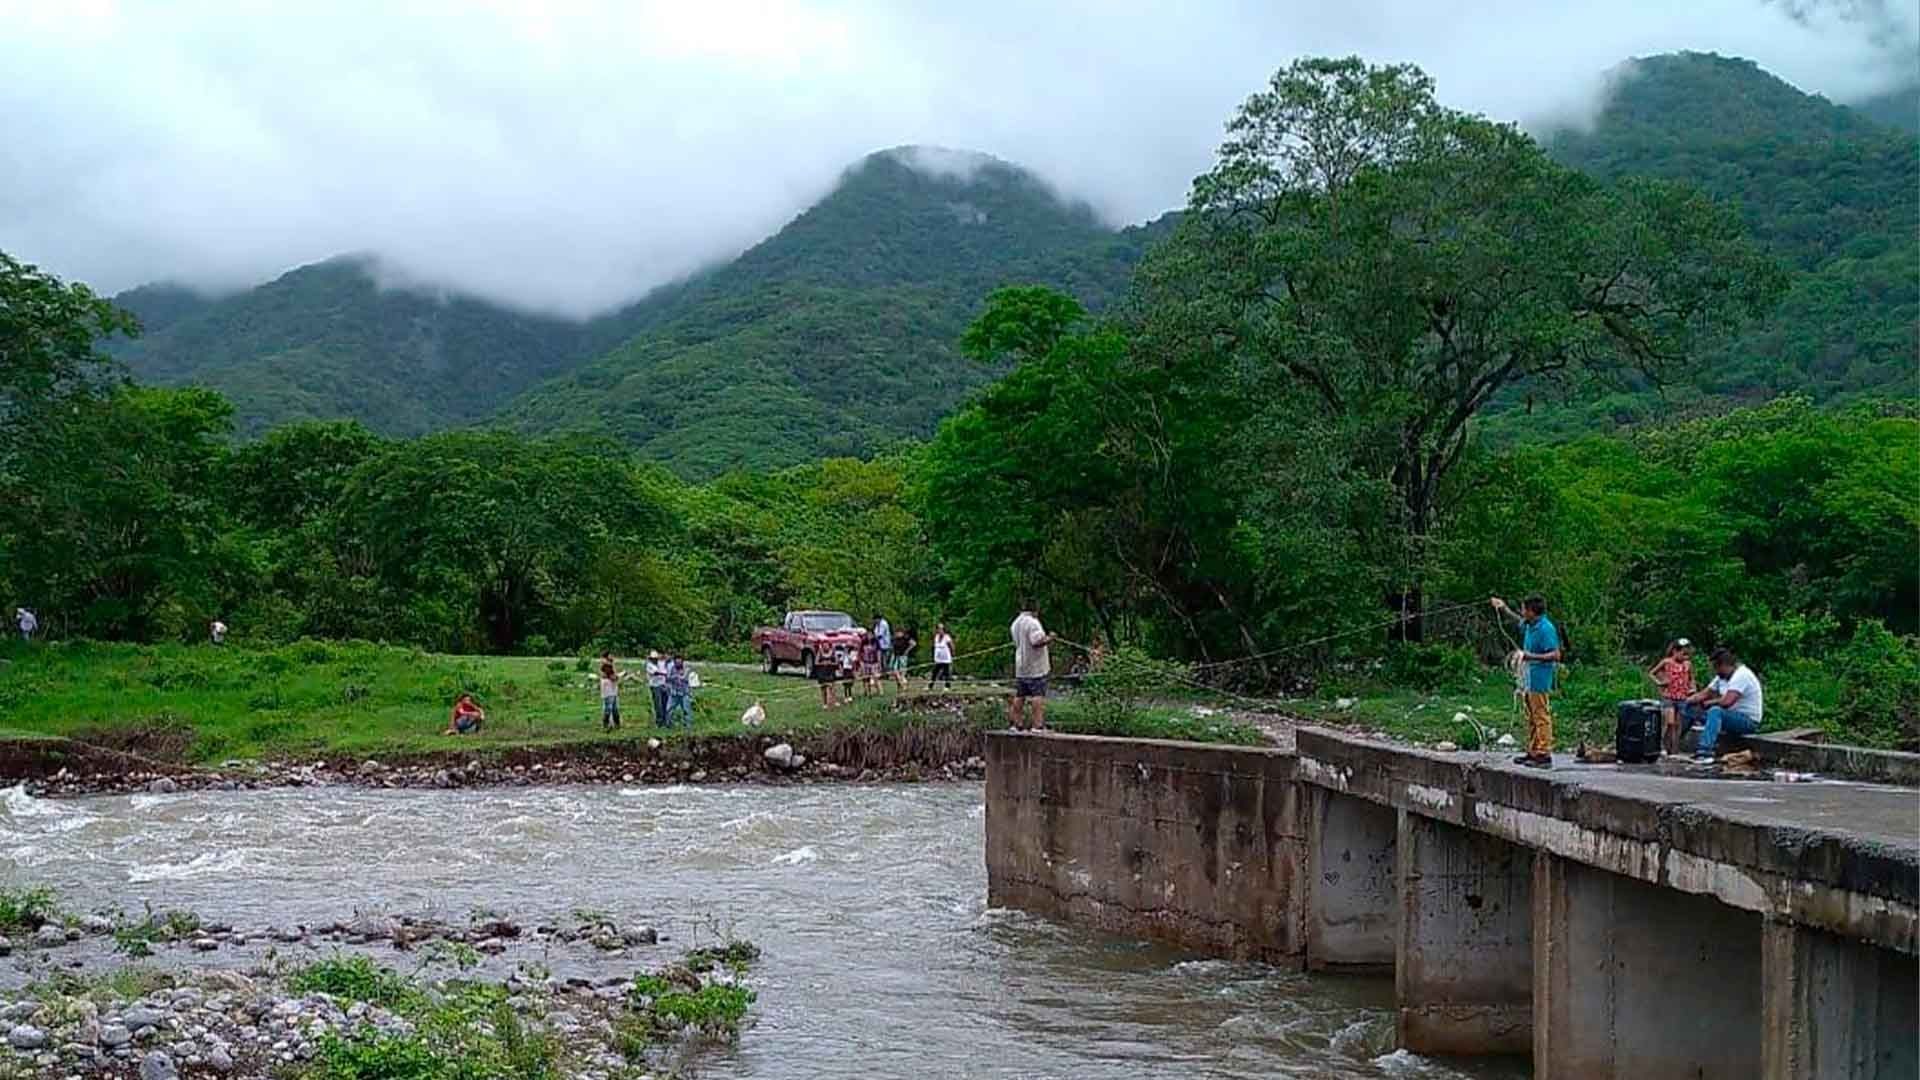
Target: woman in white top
(942,657)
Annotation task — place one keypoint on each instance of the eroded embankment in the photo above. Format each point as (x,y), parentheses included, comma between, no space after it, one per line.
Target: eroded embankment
(936,741)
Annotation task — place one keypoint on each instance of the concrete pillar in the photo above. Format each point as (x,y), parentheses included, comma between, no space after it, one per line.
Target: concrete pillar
(1463,973)
(1352,905)
(1636,982)
(1834,1009)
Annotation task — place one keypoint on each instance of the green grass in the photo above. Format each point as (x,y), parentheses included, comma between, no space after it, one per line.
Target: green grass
(356,978)
(26,910)
(209,704)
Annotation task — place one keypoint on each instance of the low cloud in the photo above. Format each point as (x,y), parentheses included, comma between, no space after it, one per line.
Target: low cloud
(567,156)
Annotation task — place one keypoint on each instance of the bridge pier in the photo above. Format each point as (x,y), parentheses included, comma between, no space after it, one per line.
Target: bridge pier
(1637,982)
(1352,902)
(1463,963)
(1836,1009)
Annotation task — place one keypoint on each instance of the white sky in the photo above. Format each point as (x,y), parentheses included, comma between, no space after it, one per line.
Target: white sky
(567,155)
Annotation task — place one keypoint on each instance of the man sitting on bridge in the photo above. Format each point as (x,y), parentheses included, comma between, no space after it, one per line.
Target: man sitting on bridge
(1731,702)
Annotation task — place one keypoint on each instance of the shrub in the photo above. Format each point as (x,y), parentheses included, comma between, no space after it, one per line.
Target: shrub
(355,978)
(27,909)
(1879,675)
(1431,666)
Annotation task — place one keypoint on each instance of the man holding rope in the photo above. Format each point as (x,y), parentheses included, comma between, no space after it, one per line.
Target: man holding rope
(1031,666)
(1540,649)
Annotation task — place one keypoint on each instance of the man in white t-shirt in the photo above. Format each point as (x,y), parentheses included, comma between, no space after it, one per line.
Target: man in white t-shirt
(27,623)
(1031,666)
(1733,701)
(217,630)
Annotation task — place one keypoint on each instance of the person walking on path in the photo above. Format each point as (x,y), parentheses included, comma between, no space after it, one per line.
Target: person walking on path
(1732,702)
(610,678)
(657,687)
(27,623)
(1540,648)
(942,657)
(1031,666)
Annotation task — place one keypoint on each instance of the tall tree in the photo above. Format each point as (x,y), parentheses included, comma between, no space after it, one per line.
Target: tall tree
(1397,263)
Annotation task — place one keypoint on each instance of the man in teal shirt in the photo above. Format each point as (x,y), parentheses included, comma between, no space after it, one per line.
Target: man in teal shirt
(1540,650)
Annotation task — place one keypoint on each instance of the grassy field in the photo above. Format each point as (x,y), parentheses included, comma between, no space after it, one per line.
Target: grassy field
(209,703)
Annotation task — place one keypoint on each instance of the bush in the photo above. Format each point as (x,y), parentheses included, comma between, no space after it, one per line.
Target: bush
(26,909)
(355,978)
(1431,667)
(1879,675)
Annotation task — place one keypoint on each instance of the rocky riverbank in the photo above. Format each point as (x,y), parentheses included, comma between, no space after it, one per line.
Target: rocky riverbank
(915,752)
(174,996)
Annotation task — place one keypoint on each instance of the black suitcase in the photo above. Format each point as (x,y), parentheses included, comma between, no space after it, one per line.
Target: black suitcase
(1636,740)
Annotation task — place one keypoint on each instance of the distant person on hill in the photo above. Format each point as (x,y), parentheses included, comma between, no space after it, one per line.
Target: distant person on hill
(1673,674)
(610,678)
(1732,702)
(27,622)
(903,647)
(657,687)
(1540,650)
(467,717)
(217,630)
(1031,666)
(679,691)
(942,657)
(883,639)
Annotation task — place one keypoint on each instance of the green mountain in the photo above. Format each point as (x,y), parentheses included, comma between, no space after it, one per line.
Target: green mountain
(1898,108)
(1832,191)
(327,341)
(837,334)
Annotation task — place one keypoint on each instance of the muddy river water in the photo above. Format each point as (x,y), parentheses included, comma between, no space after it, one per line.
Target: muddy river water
(881,957)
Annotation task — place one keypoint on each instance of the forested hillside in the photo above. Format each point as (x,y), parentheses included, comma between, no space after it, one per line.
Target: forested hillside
(1829,190)
(327,341)
(837,335)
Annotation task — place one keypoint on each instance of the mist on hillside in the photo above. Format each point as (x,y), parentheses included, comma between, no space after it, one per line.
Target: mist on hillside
(567,160)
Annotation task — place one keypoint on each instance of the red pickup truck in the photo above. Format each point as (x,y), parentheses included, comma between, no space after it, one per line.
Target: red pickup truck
(803,636)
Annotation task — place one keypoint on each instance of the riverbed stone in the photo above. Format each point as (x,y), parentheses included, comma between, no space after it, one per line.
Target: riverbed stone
(26,1037)
(158,1065)
(780,754)
(219,1060)
(164,785)
(142,1016)
(50,935)
(115,1035)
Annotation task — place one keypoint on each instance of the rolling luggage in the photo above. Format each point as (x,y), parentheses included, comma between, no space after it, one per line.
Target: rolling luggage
(1636,740)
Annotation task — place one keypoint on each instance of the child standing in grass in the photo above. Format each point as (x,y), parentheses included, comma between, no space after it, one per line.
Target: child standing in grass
(609,693)
(870,658)
(845,662)
(825,672)
(1674,675)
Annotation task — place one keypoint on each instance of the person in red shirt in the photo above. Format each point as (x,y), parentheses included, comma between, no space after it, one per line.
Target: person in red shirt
(467,717)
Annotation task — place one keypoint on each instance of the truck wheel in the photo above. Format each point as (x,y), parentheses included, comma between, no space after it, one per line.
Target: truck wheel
(806,661)
(766,658)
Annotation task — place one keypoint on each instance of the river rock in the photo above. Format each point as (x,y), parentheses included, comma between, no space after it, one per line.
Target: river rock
(23,1010)
(640,935)
(6,946)
(50,935)
(205,944)
(158,1065)
(26,1037)
(164,785)
(142,1016)
(1445,747)
(780,754)
(219,1060)
(113,1036)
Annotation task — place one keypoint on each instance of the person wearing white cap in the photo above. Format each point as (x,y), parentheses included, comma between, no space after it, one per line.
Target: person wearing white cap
(657,686)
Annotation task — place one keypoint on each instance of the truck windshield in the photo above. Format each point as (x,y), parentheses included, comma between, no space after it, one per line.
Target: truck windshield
(827,620)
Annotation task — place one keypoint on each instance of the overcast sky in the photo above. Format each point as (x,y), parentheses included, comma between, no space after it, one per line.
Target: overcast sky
(569,155)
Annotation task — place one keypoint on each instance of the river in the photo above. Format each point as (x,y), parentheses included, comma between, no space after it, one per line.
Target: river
(881,957)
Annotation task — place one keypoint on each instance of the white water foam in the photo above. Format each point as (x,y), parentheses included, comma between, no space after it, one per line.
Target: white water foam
(208,864)
(797,856)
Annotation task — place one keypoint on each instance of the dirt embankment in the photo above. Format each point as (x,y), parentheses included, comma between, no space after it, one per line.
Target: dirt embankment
(939,745)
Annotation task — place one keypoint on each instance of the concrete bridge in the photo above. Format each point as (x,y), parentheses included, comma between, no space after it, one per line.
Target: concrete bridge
(1607,921)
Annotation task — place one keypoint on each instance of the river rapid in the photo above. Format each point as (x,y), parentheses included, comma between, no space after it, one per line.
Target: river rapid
(881,958)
